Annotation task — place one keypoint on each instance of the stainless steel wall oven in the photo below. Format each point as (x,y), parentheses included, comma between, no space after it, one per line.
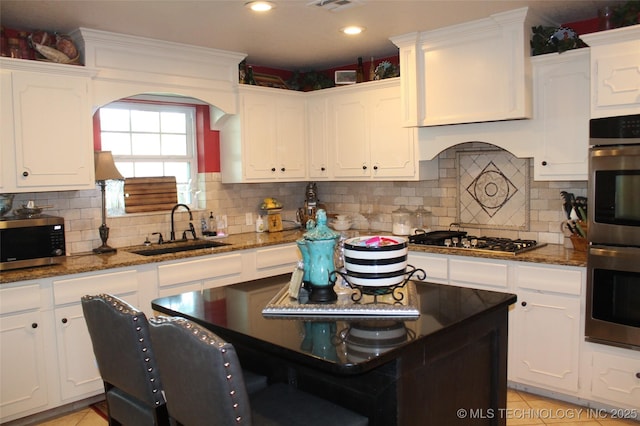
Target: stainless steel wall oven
(613,262)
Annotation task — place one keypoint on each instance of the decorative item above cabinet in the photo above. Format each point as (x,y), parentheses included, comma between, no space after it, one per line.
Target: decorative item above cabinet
(473,72)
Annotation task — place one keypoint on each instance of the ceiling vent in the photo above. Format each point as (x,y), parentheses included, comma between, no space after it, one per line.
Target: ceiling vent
(335,5)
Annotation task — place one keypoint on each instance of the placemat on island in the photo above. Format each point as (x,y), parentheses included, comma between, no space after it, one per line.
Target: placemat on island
(283,306)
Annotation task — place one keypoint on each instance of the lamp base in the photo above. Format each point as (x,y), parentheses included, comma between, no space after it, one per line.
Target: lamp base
(104,249)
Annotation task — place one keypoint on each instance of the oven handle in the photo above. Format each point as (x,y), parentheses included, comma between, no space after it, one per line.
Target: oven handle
(617,252)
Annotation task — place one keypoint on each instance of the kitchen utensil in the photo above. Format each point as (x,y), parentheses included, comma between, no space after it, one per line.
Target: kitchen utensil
(6,203)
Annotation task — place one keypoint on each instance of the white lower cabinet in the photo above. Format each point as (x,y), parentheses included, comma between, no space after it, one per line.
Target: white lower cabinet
(77,368)
(548,330)
(22,355)
(615,377)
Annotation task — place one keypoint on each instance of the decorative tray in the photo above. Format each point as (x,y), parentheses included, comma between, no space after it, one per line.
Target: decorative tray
(388,306)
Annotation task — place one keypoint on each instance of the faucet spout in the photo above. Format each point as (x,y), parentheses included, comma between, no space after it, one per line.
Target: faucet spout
(173,210)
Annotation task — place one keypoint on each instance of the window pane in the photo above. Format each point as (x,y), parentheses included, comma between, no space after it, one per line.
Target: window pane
(174,122)
(148,169)
(145,144)
(180,170)
(174,145)
(117,143)
(114,119)
(145,121)
(125,168)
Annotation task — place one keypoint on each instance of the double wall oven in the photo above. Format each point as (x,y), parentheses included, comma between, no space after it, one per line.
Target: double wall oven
(613,263)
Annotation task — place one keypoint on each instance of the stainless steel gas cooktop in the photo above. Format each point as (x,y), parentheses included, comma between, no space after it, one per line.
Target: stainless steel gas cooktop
(459,240)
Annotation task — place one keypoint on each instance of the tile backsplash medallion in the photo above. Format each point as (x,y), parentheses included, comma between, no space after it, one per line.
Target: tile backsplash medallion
(488,191)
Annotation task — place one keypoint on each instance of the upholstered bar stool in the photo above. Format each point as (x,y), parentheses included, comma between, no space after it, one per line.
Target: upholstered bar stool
(122,346)
(204,385)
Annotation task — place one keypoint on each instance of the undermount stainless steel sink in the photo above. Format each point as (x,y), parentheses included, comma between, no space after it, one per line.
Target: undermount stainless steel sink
(178,247)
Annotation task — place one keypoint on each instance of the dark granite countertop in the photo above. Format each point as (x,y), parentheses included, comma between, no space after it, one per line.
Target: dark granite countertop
(554,254)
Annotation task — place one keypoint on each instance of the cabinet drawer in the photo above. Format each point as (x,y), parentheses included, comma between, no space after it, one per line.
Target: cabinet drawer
(484,273)
(18,299)
(277,256)
(549,279)
(71,290)
(436,268)
(615,378)
(199,269)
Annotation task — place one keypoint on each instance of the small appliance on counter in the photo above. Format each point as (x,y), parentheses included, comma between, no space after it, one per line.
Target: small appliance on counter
(31,241)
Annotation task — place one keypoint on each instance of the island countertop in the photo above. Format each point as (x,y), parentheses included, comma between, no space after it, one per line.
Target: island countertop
(554,254)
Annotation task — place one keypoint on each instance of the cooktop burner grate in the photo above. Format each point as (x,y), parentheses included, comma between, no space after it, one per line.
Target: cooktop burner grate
(459,240)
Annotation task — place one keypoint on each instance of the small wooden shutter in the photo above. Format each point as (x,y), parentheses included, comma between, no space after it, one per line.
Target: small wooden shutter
(149,194)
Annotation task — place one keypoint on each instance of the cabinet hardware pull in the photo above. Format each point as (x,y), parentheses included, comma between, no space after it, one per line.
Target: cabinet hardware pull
(25,173)
(34,325)
(282,169)
(375,167)
(364,167)
(64,320)
(273,169)
(524,303)
(638,375)
(322,169)
(544,163)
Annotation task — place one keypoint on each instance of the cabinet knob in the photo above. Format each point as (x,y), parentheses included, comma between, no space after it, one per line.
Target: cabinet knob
(364,167)
(322,169)
(544,163)
(375,167)
(524,303)
(25,173)
(282,169)
(638,375)
(64,320)
(273,169)
(35,325)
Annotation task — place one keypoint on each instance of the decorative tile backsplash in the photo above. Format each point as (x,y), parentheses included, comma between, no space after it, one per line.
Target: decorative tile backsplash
(493,190)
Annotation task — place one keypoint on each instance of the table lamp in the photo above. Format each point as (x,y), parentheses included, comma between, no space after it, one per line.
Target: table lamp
(105,170)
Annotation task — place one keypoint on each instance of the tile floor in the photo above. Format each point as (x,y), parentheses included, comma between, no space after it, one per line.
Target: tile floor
(522,409)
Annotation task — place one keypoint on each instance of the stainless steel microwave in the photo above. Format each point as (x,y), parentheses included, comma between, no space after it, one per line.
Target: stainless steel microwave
(27,242)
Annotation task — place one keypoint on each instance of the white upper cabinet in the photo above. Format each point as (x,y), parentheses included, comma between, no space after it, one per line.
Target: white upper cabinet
(473,72)
(46,135)
(367,139)
(615,71)
(561,98)
(317,139)
(266,141)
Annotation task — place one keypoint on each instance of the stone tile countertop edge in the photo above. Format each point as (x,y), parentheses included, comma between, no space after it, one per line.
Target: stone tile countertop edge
(88,262)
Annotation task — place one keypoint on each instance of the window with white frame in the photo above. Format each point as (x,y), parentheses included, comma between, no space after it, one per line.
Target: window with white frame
(150,139)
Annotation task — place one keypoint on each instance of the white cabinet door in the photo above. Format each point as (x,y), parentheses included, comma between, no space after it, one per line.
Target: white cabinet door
(318,139)
(547,340)
(561,87)
(392,146)
(52,139)
(77,368)
(349,128)
(271,135)
(22,355)
(615,71)
(616,378)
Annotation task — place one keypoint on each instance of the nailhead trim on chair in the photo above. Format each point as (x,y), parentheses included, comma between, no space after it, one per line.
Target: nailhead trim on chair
(211,340)
(130,310)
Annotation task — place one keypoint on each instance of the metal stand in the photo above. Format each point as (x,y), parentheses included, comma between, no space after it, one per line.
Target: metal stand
(394,290)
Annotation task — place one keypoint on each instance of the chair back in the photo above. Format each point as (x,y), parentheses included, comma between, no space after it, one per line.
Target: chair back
(201,373)
(122,347)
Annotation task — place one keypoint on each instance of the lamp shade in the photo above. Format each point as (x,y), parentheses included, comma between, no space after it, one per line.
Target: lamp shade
(105,166)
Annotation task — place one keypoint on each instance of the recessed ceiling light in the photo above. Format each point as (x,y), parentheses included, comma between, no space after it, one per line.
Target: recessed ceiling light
(260,6)
(352,30)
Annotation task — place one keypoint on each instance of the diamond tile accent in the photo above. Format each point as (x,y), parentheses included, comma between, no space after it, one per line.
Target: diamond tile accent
(493,190)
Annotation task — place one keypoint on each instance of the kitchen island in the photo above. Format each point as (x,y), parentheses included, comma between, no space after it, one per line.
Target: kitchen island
(448,366)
